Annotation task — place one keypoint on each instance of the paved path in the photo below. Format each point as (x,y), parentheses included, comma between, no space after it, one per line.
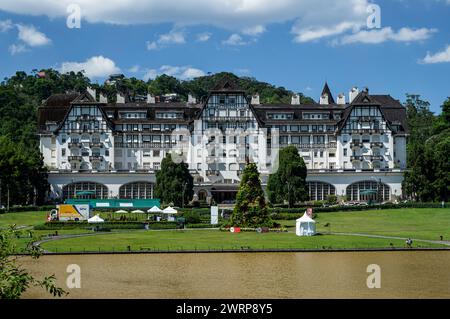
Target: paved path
(439,242)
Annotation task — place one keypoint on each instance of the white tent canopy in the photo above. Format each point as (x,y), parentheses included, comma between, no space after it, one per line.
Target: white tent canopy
(121,211)
(138,211)
(305,226)
(95,219)
(169,210)
(155,209)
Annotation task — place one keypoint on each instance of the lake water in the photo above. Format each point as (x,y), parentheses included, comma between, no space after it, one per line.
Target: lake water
(415,274)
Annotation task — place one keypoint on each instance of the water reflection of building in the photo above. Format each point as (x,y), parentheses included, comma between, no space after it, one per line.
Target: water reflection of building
(114,149)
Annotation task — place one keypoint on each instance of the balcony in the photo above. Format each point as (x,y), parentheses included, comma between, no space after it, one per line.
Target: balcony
(356,158)
(96,158)
(75,158)
(212,173)
(144,145)
(85,117)
(75,145)
(368,131)
(96,144)
(376,158)
(376,144)
(356,144)
(229,118)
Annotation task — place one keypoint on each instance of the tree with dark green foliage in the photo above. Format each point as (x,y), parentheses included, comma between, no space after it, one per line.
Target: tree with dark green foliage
(251,208)
(174,183)
(288,183)
(428,175)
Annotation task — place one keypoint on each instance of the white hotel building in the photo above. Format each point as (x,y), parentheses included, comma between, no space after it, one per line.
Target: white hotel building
(114,149)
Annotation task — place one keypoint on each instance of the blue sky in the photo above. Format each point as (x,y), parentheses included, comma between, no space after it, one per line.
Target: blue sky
(297,44)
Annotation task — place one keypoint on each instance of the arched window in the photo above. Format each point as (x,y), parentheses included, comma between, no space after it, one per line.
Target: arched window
(136,190)
(368,190)
(320,190)
(85,190)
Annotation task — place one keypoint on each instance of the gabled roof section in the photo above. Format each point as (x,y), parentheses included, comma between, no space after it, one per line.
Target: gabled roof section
(326,90)
(227,85)
(84,97)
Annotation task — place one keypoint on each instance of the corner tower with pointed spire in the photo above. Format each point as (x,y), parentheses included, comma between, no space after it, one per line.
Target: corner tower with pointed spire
(326,97)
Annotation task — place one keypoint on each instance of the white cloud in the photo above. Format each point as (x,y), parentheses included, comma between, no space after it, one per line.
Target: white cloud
(377,36)
(315,33)
(238,16)
(254,31)
(234,39)
(5,25)
(94,67)
(439,57)
(17,48)
(180,72)
(31,36)
(173,37)
(203,37)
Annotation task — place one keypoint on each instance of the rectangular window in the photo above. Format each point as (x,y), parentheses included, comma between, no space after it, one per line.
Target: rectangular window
(345,152)
(63,152)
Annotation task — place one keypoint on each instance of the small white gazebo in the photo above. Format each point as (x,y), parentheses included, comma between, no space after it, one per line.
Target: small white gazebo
(121,211)
(138,211)
(155,209)
(305,226)
(169,210)
(95,219)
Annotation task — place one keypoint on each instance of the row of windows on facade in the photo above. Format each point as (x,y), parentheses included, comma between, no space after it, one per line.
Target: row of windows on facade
(316,190)
(305,116)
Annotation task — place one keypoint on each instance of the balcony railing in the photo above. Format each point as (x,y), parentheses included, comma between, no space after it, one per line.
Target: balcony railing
(356,144)
(312,146)
(376,144)
(368,131)
(144,145)
(76,158)
(96,144)
(356,158)
(229,118)
(85,117)
(376,158)
(75,145)
(96,158)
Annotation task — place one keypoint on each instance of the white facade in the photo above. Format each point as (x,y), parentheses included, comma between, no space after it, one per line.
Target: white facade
(115,149)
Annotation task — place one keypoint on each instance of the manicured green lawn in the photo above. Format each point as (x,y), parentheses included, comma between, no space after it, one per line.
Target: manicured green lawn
(420,223)
(22,219)
(215,239)
(425,223)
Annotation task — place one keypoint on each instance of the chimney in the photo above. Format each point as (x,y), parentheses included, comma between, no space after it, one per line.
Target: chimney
(192,99)
(295,100)
(103,98)
(341,99)
(92,92)
(150,99)
(353,94)
(255,99)
(324,99)
(120,98)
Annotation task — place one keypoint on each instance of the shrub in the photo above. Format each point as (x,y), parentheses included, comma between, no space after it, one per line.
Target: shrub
(192,217)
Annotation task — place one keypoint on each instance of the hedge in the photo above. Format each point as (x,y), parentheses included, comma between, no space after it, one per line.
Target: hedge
(28,209)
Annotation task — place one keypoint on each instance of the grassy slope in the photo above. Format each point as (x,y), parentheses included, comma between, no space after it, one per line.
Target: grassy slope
(420,223)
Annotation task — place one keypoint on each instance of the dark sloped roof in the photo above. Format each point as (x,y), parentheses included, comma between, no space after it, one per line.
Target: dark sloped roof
(63,99)
(227,85)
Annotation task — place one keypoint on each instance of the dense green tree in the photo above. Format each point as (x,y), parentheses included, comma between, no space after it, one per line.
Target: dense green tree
(288,183)
(428,175)
(251,208)
(172,181)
